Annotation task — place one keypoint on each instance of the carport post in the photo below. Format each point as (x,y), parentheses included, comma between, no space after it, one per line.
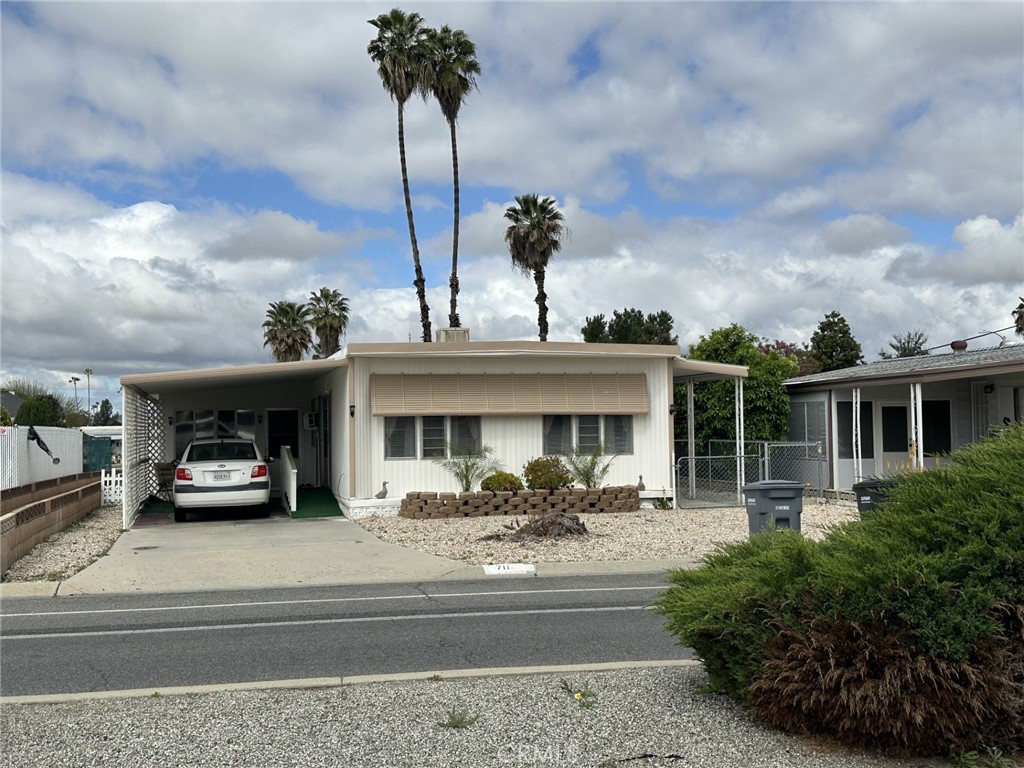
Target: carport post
(740,462)
(690,438)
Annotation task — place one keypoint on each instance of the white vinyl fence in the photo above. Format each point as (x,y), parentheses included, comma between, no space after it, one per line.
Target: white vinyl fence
(23,461)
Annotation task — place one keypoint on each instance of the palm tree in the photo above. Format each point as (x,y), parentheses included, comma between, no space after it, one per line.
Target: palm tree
(534,236)
(400,52)
(286,331)
(1018,317)
(452,75)
(328,316)
(74,381)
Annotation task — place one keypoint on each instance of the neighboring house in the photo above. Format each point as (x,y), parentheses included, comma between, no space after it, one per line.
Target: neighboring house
(912,409)
(380,412)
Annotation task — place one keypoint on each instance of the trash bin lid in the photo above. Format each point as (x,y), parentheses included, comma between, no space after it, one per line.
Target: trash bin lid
(762,484)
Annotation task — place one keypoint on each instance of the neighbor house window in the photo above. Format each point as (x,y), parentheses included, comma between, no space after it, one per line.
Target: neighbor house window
(937,427)
(844,429)
(614,434)
(399,437)
(807,422)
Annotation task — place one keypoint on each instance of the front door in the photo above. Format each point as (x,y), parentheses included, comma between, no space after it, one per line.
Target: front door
(895,439)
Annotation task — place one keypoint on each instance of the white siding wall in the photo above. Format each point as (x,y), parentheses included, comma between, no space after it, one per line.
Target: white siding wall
(516,439)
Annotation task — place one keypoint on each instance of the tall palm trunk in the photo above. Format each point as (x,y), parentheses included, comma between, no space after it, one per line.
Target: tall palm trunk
(419,282)
(453,281)
(542,304)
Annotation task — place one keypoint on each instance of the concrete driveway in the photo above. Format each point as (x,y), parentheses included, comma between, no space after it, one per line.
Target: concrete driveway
(254,553)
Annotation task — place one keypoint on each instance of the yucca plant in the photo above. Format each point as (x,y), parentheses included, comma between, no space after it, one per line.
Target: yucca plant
(589,468)
(469,465)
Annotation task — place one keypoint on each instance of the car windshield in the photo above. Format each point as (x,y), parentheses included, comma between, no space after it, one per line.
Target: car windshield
(223,452)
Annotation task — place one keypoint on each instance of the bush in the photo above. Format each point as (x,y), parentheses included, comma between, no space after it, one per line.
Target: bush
(501,481)
(903,631)
(546,473)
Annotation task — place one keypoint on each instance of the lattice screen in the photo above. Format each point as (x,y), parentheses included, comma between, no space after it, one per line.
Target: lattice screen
(145,441)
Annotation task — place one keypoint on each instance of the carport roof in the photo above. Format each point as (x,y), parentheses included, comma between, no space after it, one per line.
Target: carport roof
(205,378)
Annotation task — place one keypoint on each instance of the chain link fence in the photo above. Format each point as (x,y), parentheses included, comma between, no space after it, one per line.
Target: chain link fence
(714,480)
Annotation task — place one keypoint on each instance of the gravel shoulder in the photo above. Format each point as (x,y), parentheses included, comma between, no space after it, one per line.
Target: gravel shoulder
(646,717)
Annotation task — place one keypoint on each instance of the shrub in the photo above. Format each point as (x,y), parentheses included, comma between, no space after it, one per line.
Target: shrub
(501,481)
(903,631)
(546,473)
(470,465)
(589,468)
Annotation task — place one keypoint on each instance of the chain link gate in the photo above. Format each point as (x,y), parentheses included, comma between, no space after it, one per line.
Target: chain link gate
(714,480)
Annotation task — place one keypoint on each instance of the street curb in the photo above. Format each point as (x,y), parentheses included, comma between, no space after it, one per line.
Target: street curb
(314,683)
(15,589)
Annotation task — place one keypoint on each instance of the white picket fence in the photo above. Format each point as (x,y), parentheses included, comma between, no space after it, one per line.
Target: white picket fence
(22,461)
(111,486)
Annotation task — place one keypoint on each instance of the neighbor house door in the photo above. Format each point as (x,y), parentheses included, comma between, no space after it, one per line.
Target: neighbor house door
(895,439)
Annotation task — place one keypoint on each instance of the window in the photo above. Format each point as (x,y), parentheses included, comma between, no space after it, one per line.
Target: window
(612,433)
(434,439)
(435,434)
(465,432)
(557,435)
(807,422)
(618,434)
(844,429)
(588,433)
(400,437)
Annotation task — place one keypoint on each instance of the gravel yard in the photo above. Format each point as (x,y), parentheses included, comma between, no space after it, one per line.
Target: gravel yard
(69,551)
(650,534)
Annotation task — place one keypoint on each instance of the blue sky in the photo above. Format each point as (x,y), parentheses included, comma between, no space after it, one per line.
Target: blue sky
(170,169)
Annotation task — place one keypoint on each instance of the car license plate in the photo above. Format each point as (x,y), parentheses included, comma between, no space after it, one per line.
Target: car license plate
(221,476)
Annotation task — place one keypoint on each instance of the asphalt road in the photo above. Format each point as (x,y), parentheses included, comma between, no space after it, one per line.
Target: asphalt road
(116,642)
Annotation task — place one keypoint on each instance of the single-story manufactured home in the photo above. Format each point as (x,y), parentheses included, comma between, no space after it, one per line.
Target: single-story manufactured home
(911,410)
(380,413)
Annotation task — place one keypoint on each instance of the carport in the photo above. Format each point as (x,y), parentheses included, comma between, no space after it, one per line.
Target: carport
(285,407)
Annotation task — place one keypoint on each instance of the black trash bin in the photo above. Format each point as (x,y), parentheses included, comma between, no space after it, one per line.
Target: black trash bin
(774,504)
(870,492)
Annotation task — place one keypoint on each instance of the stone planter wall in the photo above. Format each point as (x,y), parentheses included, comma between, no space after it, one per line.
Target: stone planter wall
(427,505)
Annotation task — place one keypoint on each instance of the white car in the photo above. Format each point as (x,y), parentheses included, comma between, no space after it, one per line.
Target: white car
(223,472)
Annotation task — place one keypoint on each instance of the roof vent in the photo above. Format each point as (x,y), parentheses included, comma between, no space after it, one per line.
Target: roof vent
(958,346)
(451,335)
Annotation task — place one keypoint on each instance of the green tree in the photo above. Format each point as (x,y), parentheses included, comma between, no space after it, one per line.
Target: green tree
(910,344)
(1018,317)
(451,76)
(328,317)
(801,355)
(533,237)
(766,403)
(833,345)
(106,416)
(286,331)
(27,389)
(41,411)
(402,58)
(5,418)
(630,326)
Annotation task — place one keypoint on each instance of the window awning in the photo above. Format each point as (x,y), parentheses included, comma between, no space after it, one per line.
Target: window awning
(508,394)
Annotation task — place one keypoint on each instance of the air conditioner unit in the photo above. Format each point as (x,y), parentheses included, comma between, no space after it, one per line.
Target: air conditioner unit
(451,335)
(312,421)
